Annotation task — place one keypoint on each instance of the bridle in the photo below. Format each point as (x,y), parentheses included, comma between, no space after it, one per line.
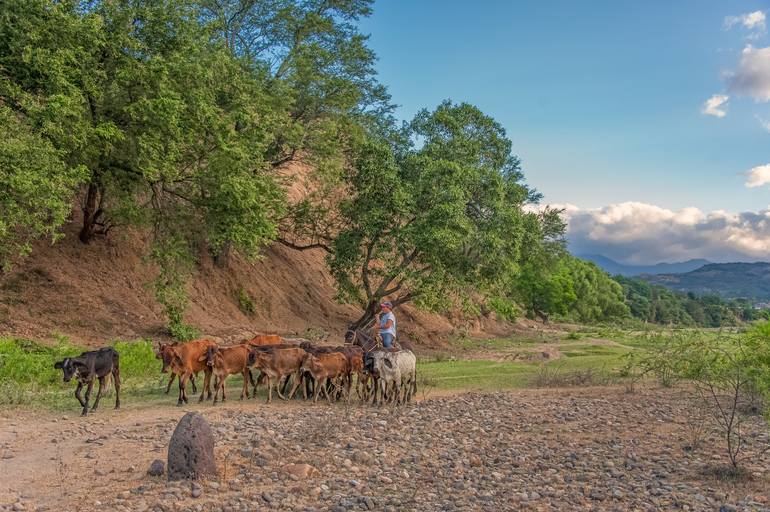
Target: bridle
(366,342)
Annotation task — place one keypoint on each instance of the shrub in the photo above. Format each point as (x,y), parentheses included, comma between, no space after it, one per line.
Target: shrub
(183,332)
(245,302)
(727,376)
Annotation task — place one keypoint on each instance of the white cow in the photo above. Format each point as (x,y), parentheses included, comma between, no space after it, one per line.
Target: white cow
(397,373)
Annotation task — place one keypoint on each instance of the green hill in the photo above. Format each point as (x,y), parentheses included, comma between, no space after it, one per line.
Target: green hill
(730,280)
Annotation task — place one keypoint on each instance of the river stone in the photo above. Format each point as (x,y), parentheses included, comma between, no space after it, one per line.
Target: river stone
(191,450)
(157,468)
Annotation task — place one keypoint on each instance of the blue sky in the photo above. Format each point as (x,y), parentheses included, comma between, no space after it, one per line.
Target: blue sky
(602,99)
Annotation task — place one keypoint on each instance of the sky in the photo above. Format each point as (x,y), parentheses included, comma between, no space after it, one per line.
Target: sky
(649,122)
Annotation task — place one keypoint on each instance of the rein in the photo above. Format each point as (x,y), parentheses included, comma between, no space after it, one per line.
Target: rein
(366,342)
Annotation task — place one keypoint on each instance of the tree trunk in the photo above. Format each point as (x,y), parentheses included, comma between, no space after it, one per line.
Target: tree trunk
(222,257)
(91,213)
(368,315)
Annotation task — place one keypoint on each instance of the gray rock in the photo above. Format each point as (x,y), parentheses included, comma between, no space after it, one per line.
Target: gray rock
(191,449)
(157,468)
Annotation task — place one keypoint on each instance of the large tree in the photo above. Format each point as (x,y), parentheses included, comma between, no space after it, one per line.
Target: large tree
(172,132)
(318,67)
(434,212)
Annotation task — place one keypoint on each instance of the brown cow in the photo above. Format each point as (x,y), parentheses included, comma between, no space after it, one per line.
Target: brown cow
(326,367)
(166,355)
(187,362)
(226,361)
(265,339)
(275,363)
(355,357)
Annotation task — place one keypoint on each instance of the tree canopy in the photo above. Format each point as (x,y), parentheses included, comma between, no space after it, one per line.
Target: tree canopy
(434,211)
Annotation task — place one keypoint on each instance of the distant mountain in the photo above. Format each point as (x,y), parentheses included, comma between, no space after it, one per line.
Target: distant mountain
(613,267)
(730,280)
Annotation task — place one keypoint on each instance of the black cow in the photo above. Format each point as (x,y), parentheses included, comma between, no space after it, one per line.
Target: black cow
(96,363)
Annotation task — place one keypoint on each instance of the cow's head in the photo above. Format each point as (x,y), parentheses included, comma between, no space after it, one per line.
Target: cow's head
(378,363)
(309,363)
(258,358)
(70,367)
(161,349)
(167,354)
(209,356)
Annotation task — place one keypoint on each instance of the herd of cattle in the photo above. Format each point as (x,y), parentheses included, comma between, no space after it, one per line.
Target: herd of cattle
(381,375)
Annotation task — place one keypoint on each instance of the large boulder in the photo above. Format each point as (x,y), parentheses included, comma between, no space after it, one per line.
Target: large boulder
(191,450)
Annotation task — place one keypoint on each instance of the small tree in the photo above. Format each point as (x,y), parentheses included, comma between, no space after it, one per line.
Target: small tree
(725,375)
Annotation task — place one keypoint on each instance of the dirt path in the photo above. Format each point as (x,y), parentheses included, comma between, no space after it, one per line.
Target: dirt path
(594,449)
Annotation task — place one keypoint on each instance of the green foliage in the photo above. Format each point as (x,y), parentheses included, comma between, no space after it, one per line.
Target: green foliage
(505,308)
(433,212)
(175,115)
(245,302)
(183,332)
(172,255)
(555,283)
(656,304)
(36,186)
(728,375)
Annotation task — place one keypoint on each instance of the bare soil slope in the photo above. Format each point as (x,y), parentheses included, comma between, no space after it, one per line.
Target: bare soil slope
(102,291)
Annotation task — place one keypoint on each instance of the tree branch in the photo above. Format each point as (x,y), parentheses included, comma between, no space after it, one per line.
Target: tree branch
(297,247)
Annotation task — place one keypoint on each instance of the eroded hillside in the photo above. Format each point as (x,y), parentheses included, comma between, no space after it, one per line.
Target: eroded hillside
(102,291)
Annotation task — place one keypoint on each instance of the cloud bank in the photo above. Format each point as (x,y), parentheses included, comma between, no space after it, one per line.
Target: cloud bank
(641,233)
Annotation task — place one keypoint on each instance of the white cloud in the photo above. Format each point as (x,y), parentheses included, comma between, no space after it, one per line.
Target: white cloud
(715,105)
(751,20)
(642,233)
(752,78)
(758,176)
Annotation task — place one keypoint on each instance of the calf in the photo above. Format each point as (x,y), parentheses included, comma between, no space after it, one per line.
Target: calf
(186,362)
(226,361)
(326,367)
(98,364)
(355,358)
(166,355)
(276,363)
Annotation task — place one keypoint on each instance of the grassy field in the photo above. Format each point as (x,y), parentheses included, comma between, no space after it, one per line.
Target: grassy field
(586,356)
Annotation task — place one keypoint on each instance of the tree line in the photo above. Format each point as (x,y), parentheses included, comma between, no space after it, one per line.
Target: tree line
(180,117)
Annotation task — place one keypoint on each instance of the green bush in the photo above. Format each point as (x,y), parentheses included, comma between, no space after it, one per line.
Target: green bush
(245,302)
(183,332)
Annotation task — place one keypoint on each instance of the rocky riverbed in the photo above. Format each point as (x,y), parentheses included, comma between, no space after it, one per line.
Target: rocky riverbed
(588,449)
